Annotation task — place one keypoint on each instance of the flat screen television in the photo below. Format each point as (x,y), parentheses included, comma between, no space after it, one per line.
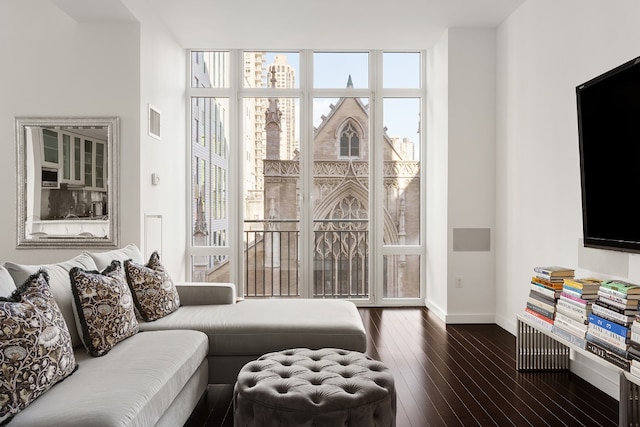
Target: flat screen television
(609,140)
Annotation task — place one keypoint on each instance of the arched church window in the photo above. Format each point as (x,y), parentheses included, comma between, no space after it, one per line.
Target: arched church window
(349,142)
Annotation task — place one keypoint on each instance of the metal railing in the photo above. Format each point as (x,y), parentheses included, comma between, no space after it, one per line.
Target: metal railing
(340,258)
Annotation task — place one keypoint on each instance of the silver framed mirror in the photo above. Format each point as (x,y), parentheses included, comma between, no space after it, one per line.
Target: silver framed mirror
(67,182)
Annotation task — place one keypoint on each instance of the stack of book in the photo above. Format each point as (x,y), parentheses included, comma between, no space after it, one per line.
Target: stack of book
(573,309)
(546,287)
(634,347)
(613,313)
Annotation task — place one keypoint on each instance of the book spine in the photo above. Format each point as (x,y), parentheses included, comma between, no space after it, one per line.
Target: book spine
(608,336)
(541,311)
(612,292)
(598,305)
(633,353)
(634,369)
(633,305)
(536,287)
(567,326)
(540,321)
(573,315)
(541,297)
(544,305)
(614,327)
(547,283)
(573,309)
(578,323)
(549,278)
(572,291)
(635,337)
(622,352)
(572,297)
(573,283)
(608,356)
(612,315)
(619,286)
(569,336)
(613,298)
(564,272)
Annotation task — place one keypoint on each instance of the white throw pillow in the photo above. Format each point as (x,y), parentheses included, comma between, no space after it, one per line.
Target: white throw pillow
(103,259)
(7,285)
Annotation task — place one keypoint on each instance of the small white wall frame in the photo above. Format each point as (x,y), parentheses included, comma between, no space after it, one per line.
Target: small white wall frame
(152,234)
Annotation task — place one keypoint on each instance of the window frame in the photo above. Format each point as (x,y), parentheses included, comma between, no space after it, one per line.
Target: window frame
(235,92)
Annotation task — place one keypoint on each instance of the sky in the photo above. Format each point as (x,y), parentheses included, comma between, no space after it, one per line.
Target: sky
(400,70)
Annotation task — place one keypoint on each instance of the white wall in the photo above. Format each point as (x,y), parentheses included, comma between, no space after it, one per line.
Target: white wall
(471,188)
(162,84)
(53,66)
(65,68)
(460,174)
(437,169)
(545,49)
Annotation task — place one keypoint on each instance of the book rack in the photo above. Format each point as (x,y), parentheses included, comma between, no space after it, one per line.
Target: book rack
(539,349)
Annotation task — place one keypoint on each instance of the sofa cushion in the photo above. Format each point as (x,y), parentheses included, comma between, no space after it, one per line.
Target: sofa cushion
(254,327)
(154,293)
(35,345)
(133,385)
(104,307)
(59,282)
(103,259)
(7,285)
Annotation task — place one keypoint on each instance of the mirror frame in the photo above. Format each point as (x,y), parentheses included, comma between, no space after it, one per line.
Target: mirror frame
(112,124)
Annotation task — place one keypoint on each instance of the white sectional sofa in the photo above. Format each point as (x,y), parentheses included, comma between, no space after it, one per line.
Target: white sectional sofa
(157,376)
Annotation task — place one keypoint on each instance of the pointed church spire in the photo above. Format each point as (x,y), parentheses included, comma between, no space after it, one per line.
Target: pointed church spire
(273,117)
(349,82)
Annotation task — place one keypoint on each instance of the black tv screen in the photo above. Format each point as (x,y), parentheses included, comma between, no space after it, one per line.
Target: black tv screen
(609,139)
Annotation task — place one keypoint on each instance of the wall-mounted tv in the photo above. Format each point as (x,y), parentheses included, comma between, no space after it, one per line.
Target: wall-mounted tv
(609,140)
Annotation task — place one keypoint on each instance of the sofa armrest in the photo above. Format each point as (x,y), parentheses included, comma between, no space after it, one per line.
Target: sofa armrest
(203,293)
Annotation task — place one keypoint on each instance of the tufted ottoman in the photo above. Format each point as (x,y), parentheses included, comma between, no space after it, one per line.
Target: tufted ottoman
(303,387)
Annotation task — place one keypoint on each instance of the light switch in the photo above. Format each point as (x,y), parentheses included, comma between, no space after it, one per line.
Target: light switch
(155,178)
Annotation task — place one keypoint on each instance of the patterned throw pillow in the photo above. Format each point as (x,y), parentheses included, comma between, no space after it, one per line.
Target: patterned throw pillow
(103,307)
(154,292)
(35,345)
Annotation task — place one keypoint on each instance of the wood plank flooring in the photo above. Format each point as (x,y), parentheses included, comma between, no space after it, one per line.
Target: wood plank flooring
(456,375)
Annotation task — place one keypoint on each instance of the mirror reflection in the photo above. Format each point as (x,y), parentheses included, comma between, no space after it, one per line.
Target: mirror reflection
(66,187)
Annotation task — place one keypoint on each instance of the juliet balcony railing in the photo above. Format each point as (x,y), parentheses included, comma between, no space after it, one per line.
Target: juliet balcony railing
(340,258)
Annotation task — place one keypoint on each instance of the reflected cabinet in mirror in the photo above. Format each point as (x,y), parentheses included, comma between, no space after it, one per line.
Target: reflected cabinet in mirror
(68,186)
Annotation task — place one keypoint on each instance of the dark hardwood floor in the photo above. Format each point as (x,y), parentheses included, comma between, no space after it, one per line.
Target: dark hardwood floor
(456,375)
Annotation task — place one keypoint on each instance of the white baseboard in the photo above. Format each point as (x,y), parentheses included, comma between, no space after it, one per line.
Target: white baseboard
(452,319)
(435,309)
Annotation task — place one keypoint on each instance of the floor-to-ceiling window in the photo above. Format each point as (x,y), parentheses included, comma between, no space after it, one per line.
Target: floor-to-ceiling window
(305,173)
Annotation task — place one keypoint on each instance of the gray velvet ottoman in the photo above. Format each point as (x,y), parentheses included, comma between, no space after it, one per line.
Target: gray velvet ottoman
(325,387)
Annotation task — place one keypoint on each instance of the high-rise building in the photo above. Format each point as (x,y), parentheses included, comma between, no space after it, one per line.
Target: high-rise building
(254,134)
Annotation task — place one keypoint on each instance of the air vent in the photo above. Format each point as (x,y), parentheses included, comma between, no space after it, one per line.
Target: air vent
(154,122)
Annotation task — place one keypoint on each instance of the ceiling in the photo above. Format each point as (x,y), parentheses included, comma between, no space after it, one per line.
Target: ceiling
(296,23)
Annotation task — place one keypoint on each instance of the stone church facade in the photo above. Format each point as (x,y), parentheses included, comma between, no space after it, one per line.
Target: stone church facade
(341,209)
